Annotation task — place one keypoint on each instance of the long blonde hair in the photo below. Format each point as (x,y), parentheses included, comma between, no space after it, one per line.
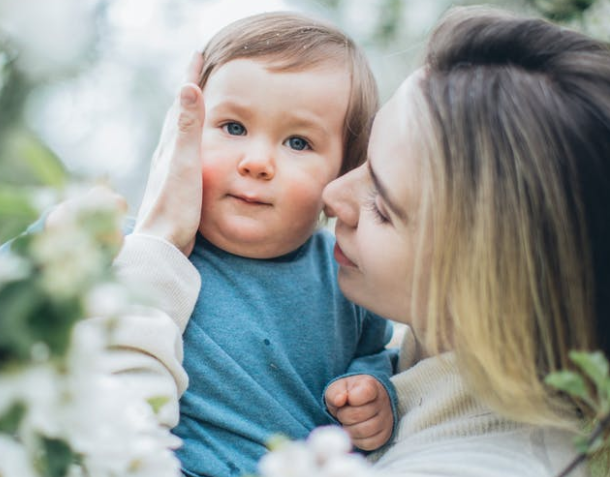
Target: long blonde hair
(517,116)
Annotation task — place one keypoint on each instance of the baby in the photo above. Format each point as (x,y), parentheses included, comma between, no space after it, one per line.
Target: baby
(272,345)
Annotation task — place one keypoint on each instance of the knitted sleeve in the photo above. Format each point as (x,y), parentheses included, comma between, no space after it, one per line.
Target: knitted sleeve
(373,358)
(147,340)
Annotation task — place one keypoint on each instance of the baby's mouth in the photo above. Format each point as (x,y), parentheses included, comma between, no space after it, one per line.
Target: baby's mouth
(250,200)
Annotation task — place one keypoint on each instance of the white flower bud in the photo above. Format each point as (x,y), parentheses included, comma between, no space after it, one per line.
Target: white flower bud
(15,461)
(106,300)
(329,441)
(348,465)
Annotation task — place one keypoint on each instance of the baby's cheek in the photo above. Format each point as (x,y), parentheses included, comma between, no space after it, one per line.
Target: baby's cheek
(306,198)
(211,175)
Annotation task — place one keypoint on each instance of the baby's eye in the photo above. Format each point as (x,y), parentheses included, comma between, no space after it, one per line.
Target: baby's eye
(234,129)
(297,143)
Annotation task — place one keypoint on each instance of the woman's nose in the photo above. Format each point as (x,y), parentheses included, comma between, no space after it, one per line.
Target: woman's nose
(341,199)
(258,163)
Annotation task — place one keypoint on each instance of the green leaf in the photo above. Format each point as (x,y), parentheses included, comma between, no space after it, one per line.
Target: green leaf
(10,421)
(36,164)
(19,302)
(595,366)
(157,402)
(581,443)
(56,457)
(29,317)
(569,382)
(596,445)
(16,212)
(605,395)
(562,10)
(15,201)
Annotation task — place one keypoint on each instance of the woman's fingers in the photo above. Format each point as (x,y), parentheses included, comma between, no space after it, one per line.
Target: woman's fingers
(193,70)
(171,121)
(189,127)
(171,207)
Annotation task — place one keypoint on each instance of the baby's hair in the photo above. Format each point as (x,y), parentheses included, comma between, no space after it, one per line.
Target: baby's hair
(293,42)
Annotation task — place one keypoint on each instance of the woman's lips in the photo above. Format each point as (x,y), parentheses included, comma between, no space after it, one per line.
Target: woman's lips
(341,258)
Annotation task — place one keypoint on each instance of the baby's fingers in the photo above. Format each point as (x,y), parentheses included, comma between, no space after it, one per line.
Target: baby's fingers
(363,389)
(372,433)
(336,396)
(351,415)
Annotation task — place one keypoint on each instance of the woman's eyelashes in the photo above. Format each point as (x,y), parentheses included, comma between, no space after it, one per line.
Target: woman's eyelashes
(371,205)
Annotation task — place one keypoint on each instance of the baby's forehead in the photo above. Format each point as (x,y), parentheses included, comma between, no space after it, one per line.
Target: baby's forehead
(306,96)
(278,63)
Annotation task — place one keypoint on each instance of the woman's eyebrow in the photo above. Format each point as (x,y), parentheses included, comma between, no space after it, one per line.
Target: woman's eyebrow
(385,195)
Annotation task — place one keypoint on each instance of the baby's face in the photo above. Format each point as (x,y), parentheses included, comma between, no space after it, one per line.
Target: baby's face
(271,142)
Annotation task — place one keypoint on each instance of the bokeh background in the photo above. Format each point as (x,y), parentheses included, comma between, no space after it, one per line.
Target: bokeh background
(84,84)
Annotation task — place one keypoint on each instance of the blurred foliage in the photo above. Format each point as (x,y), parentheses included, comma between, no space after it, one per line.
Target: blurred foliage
(562,10)
(46,277)
(388,26)
(27,165)
(588,383)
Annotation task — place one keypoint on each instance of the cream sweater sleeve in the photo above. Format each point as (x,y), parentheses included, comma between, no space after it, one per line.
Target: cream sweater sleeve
(147,341)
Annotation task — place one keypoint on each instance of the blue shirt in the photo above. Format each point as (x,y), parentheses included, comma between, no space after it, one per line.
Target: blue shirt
(265,339)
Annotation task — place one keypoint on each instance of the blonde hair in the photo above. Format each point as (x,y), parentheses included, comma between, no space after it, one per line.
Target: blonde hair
(516,117)
(293,42)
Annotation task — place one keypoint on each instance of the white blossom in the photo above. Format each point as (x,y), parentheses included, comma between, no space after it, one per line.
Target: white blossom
(38,387)
(329,441)
(79,401)
(347,465)
(71,260)
(15,461)
(122,437)
(292,459)
(326,453)
(12,268)
(50,35)
(107,300)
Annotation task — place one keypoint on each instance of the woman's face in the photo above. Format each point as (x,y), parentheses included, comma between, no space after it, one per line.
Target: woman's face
(379,219)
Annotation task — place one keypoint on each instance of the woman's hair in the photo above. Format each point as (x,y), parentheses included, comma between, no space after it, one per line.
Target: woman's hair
(516,113)
(294,42)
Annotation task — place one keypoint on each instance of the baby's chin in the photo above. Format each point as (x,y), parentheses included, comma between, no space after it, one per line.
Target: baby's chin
(250,243)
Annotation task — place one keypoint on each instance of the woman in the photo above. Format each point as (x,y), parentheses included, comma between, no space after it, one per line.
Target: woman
(481,220)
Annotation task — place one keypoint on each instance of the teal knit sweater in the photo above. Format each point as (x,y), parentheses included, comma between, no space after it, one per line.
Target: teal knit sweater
(265,339)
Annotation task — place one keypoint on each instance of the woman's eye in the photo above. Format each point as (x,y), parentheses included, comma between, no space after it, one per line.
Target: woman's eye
(297,143)
(234,129)
(371,204)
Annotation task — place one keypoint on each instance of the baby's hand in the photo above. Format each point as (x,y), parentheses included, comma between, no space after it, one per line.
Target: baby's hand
(362,405)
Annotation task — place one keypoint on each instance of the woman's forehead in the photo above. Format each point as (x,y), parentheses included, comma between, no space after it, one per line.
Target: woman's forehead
(397,145)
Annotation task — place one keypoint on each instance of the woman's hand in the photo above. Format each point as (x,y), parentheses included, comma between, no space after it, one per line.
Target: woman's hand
(171,207)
